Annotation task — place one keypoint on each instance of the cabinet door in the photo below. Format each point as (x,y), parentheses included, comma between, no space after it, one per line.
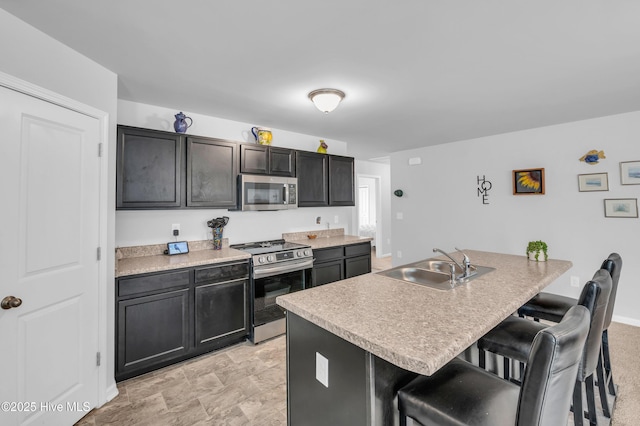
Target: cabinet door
(354,266)
(151,332)
(282,162)
(327,272)
(254,159)
(341,181)
(221,311)
(211,173)
(149,169)
(313,183)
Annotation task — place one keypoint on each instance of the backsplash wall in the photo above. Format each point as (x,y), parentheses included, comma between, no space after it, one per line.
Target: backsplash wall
(441,208)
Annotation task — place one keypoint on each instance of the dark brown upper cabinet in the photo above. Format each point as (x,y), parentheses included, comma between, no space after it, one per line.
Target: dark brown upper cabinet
(341,181)
(149,169)
(313,183)
(325,180)
(267,160)
(211,173)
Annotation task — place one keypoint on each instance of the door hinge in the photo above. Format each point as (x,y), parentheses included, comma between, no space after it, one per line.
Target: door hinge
(98,359)
(100,149)
(99,253)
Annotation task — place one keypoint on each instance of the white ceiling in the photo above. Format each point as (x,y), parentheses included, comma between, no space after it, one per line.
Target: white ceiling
(415,72)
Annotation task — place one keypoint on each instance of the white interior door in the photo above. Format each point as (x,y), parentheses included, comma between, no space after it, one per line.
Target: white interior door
(49,187)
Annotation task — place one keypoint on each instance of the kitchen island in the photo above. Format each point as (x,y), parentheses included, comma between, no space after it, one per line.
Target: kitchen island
(351,344)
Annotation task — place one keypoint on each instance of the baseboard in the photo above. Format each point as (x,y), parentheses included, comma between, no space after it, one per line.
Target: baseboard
(112,392)
(626,320)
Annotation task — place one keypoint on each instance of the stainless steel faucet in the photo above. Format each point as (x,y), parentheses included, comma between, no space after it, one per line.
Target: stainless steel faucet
(465,267)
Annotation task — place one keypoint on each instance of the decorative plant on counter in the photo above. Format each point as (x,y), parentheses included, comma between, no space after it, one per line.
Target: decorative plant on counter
(534,248)
(216,226)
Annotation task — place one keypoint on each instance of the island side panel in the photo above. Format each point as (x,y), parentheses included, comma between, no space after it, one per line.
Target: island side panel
(309,402)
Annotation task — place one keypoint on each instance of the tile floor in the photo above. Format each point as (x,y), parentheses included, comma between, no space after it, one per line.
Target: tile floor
(240,385)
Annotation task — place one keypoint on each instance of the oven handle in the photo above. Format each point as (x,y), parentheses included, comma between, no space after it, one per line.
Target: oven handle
(281,269)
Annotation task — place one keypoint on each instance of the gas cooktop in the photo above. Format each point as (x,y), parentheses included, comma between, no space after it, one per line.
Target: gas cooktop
(272,246)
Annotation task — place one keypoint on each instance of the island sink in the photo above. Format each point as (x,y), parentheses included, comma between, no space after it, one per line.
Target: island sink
(437,274)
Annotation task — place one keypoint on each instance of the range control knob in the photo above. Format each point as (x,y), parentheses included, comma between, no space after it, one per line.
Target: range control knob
(300,253)
(270,258)
(307,252)
(261,259)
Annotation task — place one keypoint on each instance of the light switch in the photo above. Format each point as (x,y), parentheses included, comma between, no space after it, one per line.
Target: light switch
(322,369)
(399,215)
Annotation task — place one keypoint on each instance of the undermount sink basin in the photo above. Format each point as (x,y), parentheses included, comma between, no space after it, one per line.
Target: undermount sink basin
(433,273)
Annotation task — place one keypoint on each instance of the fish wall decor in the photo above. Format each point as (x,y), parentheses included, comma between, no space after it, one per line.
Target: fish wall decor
(592,157)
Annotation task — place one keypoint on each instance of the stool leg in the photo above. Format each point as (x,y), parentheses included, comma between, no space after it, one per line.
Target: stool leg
(591,401)
(506,362)
(578,415)
(481,358)
(602,387)
(607,362)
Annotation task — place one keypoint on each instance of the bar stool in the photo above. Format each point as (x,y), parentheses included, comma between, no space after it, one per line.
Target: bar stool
(463,394)
(513,336)
(552,307)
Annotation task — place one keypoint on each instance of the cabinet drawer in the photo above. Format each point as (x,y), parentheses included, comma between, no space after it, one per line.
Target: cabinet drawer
(323,255)
(150,283)
(223,272)
(357,249)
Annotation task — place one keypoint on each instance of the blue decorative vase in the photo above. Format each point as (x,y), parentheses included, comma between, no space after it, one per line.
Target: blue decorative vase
(180,125)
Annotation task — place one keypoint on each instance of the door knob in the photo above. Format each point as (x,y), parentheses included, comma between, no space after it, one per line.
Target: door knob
(10,302)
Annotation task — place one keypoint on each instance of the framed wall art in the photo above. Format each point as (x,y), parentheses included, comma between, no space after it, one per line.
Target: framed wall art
(630,172)
(621,207)
(528,182)
(593,182)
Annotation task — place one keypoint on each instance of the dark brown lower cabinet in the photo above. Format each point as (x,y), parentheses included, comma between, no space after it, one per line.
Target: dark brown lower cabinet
(216,311)
(166,317)
(337,263)
(152,331)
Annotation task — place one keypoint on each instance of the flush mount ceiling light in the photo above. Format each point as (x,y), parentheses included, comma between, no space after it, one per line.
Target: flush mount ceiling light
(326,100)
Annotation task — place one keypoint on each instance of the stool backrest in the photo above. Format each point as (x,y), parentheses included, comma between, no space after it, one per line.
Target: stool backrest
(547,387)
(613,264)
(598,307)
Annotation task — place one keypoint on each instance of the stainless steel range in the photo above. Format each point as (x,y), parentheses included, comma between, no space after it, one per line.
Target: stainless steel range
(279,267)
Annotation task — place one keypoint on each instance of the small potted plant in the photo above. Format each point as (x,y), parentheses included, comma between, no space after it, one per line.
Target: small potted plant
(535,249)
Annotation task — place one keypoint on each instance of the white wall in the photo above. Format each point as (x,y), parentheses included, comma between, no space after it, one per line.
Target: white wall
(154,227)
(383,171)
(441,208)
(31,55)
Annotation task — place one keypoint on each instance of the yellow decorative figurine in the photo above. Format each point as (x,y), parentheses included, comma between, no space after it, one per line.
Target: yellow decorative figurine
(322,149)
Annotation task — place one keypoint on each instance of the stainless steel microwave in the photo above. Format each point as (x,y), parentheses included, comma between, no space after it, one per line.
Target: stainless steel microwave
(257,192)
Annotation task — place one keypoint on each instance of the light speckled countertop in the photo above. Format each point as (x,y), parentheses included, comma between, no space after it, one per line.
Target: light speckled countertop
(418,328)
(325,238)
(144,259)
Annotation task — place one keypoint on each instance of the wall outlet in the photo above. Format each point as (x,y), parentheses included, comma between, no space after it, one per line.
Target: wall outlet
(336,219)
(399,216)
(322,370)
(575,281)
(399,254)
(175,229)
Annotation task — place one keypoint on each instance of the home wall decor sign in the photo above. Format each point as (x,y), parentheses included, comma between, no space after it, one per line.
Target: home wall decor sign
(484,186)
(528,182)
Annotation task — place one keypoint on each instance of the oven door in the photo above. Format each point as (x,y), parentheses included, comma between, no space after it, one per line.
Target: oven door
(269,283)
